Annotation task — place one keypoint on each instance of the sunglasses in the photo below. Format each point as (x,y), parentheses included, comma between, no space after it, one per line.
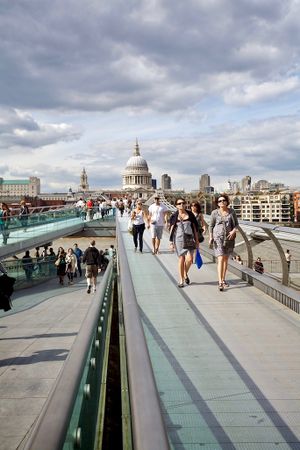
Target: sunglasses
(180,203)
(222,200)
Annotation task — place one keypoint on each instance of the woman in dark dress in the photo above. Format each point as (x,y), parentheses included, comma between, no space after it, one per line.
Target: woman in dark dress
(61,265)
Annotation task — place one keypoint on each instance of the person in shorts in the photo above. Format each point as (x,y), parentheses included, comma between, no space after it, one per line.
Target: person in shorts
(91,258)
(156,219)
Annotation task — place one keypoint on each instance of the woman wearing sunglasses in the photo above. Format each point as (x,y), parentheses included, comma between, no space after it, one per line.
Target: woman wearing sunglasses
(183,222)
(222,232)
(138,217)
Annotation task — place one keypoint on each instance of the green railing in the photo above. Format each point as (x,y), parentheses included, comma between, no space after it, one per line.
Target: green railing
(74,411)
(28,274)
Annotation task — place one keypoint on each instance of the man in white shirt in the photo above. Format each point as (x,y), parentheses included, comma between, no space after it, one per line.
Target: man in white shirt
(156,217)
(288,258)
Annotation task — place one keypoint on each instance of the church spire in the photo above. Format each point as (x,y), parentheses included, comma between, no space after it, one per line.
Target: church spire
(136,151)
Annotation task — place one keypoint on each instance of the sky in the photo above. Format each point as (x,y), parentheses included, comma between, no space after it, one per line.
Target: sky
(205,86)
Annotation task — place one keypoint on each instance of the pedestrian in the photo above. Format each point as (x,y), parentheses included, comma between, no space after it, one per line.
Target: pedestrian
(51,261)
(61,265)
(184,238)
(38,260)
(139,218)
(121,207)
(113,206)
(238,259)
(24,214)
(89,210)
(222,232)
(202,225)
(78,253)
(80,208)
(44,262)
(288,258)
(112,252)
(71,262)
(156,220)
(4,221)
(91,257)
(103,261)
(6,289)
(258,266)
(27,264)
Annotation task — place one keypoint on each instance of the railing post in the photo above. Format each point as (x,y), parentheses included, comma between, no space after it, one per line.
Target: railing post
(248,247)
(285,271)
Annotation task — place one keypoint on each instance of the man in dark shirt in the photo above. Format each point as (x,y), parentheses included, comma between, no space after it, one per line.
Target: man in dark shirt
(91,258)
(78,253)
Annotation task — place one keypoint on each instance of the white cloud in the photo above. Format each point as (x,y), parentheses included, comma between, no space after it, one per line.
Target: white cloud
(196,81)
(244,95)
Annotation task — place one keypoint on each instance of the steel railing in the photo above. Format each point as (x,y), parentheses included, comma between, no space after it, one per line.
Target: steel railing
(69,418)
(148,427)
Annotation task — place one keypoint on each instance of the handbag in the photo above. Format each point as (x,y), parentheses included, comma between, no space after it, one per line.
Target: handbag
(188,239)
(130,226)
(228,244)
(198,259)
(200,235)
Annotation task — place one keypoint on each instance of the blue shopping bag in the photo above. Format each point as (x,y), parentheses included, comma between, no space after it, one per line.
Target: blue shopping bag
(198,259)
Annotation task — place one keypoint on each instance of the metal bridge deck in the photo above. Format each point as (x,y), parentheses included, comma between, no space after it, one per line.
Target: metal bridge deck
(226,364)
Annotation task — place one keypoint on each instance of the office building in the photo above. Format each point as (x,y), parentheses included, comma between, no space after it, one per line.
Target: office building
(204,182)
(20,188)
(166,182)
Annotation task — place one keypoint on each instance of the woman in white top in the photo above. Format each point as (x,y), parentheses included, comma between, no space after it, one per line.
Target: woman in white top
(138,218)
(71,261)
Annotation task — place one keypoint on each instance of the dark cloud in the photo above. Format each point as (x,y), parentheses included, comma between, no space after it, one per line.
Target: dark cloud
(117,54)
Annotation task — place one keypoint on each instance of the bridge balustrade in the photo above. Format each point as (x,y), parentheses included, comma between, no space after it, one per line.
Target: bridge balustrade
(71,417)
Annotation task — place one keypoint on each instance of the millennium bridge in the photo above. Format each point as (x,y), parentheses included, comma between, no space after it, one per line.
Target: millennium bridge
(144,365)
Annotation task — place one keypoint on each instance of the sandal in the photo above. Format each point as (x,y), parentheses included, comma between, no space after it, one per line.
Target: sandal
(225,284)
(221,287)
(181,284)
(187,280)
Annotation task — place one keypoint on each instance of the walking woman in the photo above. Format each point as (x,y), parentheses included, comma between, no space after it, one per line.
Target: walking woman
(202,225)
(138,217)
(222,232)
(4,221)
(183,228)
(61,265)
(71,265)
(24,214)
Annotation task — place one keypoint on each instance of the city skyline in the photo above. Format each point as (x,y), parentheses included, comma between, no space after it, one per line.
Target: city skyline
(205,87)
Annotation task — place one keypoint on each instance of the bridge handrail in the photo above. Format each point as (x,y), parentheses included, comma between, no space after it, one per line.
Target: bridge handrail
(50,430)
(147,423)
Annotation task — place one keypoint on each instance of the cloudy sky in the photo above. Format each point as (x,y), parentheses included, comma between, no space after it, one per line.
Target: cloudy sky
(205,86)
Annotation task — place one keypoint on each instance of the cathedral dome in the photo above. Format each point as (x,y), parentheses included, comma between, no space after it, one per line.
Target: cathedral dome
(136,162)
(136,174)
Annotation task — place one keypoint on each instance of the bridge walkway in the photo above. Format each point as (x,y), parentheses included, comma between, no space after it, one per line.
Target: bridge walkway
(226,364)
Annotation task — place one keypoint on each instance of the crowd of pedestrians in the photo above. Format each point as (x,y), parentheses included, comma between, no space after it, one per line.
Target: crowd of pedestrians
(66,265)
(186,226)
(99,208)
